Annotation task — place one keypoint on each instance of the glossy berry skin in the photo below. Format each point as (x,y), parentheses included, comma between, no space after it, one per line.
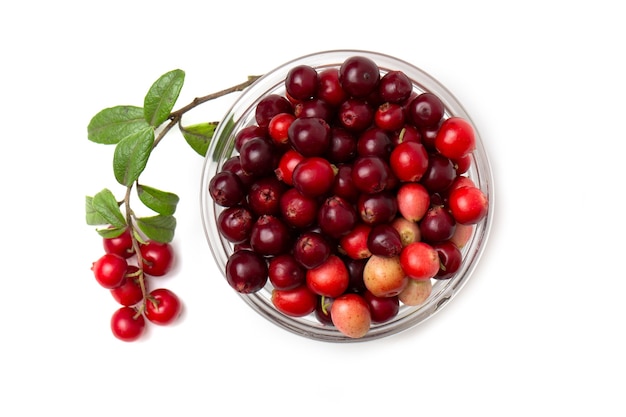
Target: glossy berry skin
(425,110)
(226,189)
(296,302)
(270,106)
(359,76)
(328,88)
(125,326)
(382,309)
(158,258)
(313,177)
(409,161)
(419,261)
(246,271)
(110,270)
(163,306)
(468,205)
(351,315)
(301,82)
(285,273)
(329,279)
(450,257)
(395,87)
(129,292)
(455,138)
(121,245)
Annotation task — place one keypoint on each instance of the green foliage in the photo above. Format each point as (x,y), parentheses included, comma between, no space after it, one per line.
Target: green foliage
(199,136)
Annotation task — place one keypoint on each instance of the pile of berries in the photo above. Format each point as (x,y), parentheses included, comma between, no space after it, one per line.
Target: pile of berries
(348,196)
(119,271)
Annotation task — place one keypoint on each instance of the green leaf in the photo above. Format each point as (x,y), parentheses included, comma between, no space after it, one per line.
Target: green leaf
(111,232)
(159,227)
(199,136)
(112,125)
(160,201)
(91,215)
(162,96)
(104,209)
(131,156)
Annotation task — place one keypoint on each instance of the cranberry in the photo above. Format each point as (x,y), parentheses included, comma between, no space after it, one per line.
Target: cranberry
(285,273)
(395,87)
(328,88)
(408,133)
(384,240)
(409,161)
(235,223)
(311,249)
(279,126)
(455,138)
(377,208)
(389,116)
(468,205)
(121,245)
(226,189)
(127,325)
(440,173)
(343,185)
(425,110)
(450,257)
(310,136)
(246,271)
(110,270)
(264,195)
(359,76)
(437,225)
(258,157)
(301,82)
(270,106)
(248,133)
(313,176)
(355,114)
(382,309)
(269,235)
(374,142)
(298,210)
(158,257)
(233,164)
(286,165)
(342,147)
(315,107)
(370,174)
(295,302)
(336,217)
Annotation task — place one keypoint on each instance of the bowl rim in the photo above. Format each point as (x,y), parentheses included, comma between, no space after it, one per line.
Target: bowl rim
(443,290)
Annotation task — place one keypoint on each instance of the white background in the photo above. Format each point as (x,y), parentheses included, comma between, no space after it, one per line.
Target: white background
(539,328)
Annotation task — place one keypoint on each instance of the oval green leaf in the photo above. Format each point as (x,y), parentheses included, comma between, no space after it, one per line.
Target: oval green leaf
(112,125)
(131,156)
(160,201)
(199,136)
(162,96)
(160,228)
(103,208)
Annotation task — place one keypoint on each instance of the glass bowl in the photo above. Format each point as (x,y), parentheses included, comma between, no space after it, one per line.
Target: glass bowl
(242,114)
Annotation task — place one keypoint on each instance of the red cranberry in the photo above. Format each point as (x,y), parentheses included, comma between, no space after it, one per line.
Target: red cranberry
(359,76)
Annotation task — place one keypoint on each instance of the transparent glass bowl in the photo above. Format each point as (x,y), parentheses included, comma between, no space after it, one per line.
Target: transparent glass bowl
(242,114)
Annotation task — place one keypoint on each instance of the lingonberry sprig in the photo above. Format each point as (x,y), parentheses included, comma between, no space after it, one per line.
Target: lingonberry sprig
(132,130)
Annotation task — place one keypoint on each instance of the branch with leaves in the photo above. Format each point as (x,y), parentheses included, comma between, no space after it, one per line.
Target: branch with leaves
(133,132)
